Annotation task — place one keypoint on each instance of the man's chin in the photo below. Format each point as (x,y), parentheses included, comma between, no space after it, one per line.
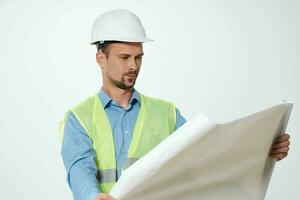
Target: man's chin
(130,84)
(126,87)
(129,87)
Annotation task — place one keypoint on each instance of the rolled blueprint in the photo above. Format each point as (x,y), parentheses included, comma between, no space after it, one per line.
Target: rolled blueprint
(208,161)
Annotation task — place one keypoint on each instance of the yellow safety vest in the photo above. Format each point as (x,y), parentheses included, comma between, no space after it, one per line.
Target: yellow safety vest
(156,120)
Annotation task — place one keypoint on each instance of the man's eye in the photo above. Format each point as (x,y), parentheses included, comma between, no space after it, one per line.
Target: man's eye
(124,58)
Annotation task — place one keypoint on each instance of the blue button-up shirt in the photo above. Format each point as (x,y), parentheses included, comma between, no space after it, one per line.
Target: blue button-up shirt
(77,150)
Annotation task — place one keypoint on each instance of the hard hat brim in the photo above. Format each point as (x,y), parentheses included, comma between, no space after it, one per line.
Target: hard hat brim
(142,40)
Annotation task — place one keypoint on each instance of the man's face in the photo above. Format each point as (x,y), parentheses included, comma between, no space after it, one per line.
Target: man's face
(122,65)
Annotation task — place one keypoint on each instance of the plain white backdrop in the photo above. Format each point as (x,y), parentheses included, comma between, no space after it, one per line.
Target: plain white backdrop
(227,59)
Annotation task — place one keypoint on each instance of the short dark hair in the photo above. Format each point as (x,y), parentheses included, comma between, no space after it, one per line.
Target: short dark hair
(103,46)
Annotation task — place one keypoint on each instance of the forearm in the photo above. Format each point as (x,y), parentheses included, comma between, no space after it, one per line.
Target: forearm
(83,181)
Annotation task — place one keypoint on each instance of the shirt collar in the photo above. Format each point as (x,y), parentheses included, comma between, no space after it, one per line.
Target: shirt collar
(106,99)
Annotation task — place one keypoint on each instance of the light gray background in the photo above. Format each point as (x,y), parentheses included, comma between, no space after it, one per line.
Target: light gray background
(227,59)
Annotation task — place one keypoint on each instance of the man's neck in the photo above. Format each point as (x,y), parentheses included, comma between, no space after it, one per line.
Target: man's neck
(122,97)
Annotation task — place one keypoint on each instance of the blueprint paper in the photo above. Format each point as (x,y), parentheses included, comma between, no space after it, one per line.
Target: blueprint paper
(208,161)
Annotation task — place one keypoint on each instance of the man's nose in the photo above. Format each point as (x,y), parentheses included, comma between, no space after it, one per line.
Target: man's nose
(133,64)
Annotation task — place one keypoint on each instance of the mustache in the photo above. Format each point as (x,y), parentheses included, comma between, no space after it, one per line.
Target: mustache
(131,73)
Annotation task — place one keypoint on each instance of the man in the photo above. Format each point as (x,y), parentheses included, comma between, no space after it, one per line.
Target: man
(109,131)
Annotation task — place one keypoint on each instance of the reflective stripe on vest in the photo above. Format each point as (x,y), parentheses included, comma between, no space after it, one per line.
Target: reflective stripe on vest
(107,175)
(129,162)
(156,120)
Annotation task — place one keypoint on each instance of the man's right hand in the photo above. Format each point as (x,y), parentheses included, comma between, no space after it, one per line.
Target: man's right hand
(103,196)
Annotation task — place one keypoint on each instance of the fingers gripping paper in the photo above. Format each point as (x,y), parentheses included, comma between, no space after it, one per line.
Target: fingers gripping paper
(208,161)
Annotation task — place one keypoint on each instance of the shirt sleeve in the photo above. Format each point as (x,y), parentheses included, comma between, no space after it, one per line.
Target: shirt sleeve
(180,120)
(79,160)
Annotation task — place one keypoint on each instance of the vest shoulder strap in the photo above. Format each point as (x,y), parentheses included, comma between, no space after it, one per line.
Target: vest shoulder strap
(84,112)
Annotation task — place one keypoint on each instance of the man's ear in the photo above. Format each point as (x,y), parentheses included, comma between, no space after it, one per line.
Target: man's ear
(100,58)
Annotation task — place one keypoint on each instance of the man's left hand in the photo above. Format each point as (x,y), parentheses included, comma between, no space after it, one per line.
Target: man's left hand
(280,147)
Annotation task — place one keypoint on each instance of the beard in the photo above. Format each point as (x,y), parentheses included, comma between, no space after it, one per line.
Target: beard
(122,84)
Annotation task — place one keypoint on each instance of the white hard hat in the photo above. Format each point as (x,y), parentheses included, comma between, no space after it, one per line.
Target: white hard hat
(118,25)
